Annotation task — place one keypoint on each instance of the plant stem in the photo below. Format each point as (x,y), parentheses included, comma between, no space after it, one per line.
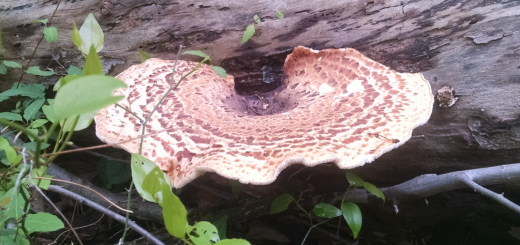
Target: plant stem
(310,228)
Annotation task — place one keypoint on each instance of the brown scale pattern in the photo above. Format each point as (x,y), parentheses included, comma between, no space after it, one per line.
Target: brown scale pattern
(334,106)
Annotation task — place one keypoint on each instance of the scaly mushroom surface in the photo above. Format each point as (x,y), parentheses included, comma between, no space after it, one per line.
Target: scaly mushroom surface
(334,105)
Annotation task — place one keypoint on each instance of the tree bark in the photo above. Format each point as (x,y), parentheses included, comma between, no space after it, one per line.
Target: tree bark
(470,45)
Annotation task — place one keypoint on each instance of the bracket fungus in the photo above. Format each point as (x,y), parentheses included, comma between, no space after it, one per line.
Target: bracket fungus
(334,105)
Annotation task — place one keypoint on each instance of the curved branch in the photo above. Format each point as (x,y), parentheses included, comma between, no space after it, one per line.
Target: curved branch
(107,212)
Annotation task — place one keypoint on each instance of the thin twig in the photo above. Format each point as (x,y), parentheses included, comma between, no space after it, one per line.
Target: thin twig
(86,187)
(106,211)
(497,197)
(57,210)
(102,155)
(34,52)
(131,112)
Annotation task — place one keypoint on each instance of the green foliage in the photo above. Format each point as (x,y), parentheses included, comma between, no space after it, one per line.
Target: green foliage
(44,21)
(257,19)
(51,34)
(219,70)
(112,172)
(352,215)
(325,210)
(374,190)
(33,108)
(221,225)
(91,34)
(233,242)
(203,233)
(10,152)
(197,53)
(236,187)
(354,180)
(74,71)
(64,80)
(11,116)
(280,14)
(12,64)
(140,169)
(250,31)
(3,69)
(30,90)
(86,94)
(174,213)
(281,203)
(93,65)
(144,56)
(76,37)
(35,70)
(43,222)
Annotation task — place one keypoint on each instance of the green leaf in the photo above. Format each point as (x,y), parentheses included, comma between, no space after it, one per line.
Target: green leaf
(76,37)
(112,172)
(14,209)
(32,146)
(174,213)
(219,70)
(34,131)
(84,121)
(374,190)
(221,225)
(11,116)
(40,172)
(43,222)
(91,34)
(31,90)
(281,203)
(39,122)
(354,180)
(51,34)
(3,69)
(93,65)
(10,152)
(280,14)
(326,210)
(64,80)
(44,21)
(352,215)
(250,31)
(86,94)
(73,70)
(204,233)
(236,187)
(140,168)
(152,184)
(12,64)
(257,19)
(34,107)
(35,70)
(48,113)
(144,56)
(233,242)
(197,53)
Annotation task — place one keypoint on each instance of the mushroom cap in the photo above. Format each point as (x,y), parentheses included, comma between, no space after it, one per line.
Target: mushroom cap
(334,105)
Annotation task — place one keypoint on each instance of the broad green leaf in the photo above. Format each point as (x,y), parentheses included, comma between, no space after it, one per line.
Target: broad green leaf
(280,14)
(326,210)
(47,110)
(11,116)
(39,122)
(31,90)
(233,242)
(93,65)
(197,53)
(257,19)
(34,107)
(354,180)
(2,98)
(3,69)
(14,209)
(44,21)
(281,203)
(219,70)
(174,213)
(236,187)
(140,168)
(32,145)
(35,70)
(10,152)
(250,31)
(34,131)
(374,190)
(84,121)
(76,37)
(204,233)
(40,172)
(91,34)
(6,232)
(51,34)
(144,56)
(12,64)
(86,94)
(5,201)
(73,70)
(43,222)
(112,172)
(221,225)
(64,80)
(152,184)
(352,215)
